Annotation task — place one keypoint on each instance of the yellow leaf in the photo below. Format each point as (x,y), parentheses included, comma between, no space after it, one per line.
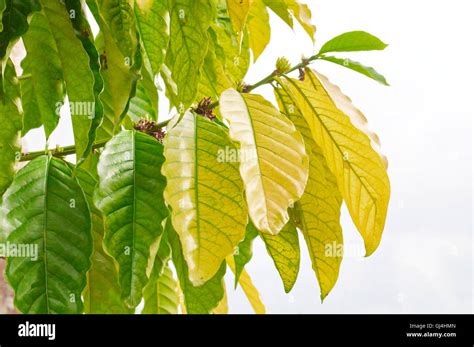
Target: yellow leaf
(317,214)
(249,289)
(223,307)
(359,170)
(205,194)
(259,28)
(238,12)
(273,160)
(302,14)
(344,103)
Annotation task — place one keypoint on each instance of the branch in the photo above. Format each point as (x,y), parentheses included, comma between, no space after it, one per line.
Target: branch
(58,152)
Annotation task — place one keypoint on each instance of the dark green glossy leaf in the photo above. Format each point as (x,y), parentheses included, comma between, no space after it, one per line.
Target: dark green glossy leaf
(45,208)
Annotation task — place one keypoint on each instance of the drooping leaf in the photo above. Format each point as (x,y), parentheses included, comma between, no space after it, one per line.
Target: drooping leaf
(119,17)
(84,34)
(42,88)
(353,41)
(153,22)
(223,307)
(214,79)
(77,75)
(145,102)
(344,103)
(129,196)
(102,291)
(205,193)
(244,251)
(281,9)
(45,207)
(117,84)
(249,289)
(317,214)
(15,20)
(274,164)
(238,13)
(302,13)
(259,28)
(161,292)
(284,249)
(161,296)
(197,300)
(356,66)
(190,20)
(10,119)
(3,6)
(359,170)
(236,58)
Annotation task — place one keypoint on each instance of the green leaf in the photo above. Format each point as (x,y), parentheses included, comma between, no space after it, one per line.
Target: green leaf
(120,20)
(102,291)
(356,66)
(236,58)
(153,22)
(77,75)
(42,88)
(145,102)
(359,170)
(244,252)
(161,292)
(302,13)
(259,28)
(214,79)
(3,6)
(284,249)
(317,214)
(10,119)
(45,207)
(190,20)
(197,300)
(15,20)
(84,34)
(205,192)
(273,178)
(353,41)
(281,9)
(129,196)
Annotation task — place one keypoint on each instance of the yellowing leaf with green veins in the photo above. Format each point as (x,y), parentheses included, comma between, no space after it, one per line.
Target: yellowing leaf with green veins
(284,249)
(161,294)
(359,170)
(317,214)
(205,193)
(238,12)
(249,288)
(201,299)
(344,103)
(259,28)
(190,20)
(274,164)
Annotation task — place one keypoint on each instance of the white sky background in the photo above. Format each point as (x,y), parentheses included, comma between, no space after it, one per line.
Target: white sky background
(424,120)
